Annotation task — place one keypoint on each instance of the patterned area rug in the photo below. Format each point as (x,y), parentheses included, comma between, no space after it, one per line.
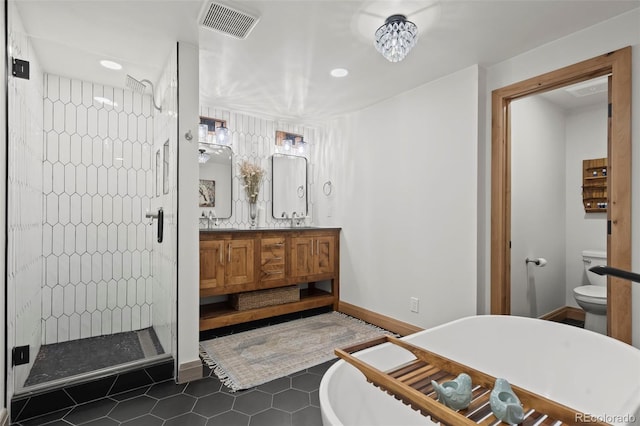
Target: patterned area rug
(254,357)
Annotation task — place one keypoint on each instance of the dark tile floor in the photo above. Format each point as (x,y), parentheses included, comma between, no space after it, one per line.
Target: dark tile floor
(288,401)
(575,323)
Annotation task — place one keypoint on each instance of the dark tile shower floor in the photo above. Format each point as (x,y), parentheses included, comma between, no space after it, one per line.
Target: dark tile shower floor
(66,359)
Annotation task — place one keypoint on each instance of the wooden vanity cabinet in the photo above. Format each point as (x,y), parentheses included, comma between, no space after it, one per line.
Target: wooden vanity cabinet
(226,266)
(312,256)
(238,261)
(211,266)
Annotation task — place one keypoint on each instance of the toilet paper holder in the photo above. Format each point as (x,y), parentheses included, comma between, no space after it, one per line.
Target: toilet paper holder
(540,261)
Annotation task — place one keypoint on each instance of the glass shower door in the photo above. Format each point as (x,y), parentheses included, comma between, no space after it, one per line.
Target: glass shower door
(81,252)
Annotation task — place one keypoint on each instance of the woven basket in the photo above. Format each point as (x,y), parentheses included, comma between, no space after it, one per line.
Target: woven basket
(262,298)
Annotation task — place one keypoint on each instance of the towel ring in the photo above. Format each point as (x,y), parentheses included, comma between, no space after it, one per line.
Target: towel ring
(300,191)
(327,188)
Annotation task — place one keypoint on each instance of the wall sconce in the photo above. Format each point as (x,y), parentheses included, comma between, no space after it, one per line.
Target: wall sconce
(203,130)
(301,147)
(222,136)
(213,130)
(290,143)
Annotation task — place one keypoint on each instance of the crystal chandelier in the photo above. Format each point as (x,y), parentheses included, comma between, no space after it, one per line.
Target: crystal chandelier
(203,157)
(396,37)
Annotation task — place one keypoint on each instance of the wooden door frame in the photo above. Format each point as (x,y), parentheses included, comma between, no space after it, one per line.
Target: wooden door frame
(618,64)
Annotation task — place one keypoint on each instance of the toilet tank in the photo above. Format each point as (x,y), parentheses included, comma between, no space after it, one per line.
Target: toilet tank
(593,258)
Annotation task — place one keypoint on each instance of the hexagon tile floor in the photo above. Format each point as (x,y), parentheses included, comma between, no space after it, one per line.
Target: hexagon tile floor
(288,401)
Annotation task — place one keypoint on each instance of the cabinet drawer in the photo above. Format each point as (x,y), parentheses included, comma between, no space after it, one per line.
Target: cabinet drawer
(272,259)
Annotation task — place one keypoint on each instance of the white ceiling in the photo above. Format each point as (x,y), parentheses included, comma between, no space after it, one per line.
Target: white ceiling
(282,68)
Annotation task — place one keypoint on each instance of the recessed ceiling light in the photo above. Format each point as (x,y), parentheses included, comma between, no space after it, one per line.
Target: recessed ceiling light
(339,72)
(110,64)
(105,101)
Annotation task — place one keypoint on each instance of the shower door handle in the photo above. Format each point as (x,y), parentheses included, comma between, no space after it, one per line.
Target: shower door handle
(160,224)
(160,218)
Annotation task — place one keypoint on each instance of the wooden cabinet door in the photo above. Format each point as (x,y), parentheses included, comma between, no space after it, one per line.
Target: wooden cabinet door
(301,256)
(324,254)
(211,265)
(272,259)
(240,262)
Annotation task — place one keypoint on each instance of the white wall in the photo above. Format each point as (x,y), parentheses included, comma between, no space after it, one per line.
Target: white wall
(601,38)
(25,214)
(188,210)
(537,206)
(586,138)
(406,189)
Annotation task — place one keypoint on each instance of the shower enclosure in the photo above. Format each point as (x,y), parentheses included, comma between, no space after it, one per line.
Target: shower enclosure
(90,289)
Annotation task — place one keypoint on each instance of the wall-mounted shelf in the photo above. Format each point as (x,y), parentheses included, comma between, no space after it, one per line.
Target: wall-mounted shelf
(594,185)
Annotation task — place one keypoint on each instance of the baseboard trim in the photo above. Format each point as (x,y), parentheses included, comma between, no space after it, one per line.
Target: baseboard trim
(565,312)
(190,371)
(4,417)
(383,321)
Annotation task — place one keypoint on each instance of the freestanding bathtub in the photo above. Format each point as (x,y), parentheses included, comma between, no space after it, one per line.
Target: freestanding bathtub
(583,370)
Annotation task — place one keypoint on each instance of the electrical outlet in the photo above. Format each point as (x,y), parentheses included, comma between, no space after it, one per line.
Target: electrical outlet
(414,304)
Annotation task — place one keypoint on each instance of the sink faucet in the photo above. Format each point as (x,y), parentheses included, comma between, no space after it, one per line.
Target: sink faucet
(294,215)
(212,216)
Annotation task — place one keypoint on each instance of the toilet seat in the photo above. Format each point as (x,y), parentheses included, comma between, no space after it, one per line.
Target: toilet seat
(592,294)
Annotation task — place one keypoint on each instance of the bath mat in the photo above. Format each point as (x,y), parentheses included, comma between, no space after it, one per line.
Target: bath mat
(254,357)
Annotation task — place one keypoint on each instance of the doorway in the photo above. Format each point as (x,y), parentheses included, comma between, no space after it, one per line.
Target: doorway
(618,65)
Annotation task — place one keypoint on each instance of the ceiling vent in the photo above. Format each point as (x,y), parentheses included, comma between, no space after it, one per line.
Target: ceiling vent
(590,87)
(227,20)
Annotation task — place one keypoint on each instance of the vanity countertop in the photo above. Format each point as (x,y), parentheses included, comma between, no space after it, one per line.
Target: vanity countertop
(297,228)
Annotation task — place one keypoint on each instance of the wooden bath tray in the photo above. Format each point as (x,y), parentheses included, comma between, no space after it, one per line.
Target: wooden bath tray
(411,383)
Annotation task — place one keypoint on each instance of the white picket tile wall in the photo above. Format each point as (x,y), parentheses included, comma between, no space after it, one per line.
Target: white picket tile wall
(253,139)
(96,187)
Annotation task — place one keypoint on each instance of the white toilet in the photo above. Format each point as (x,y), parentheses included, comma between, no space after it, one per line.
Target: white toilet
(593,298)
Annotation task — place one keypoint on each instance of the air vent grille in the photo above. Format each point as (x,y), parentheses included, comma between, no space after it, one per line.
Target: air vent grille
(227,20)
(590,87)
